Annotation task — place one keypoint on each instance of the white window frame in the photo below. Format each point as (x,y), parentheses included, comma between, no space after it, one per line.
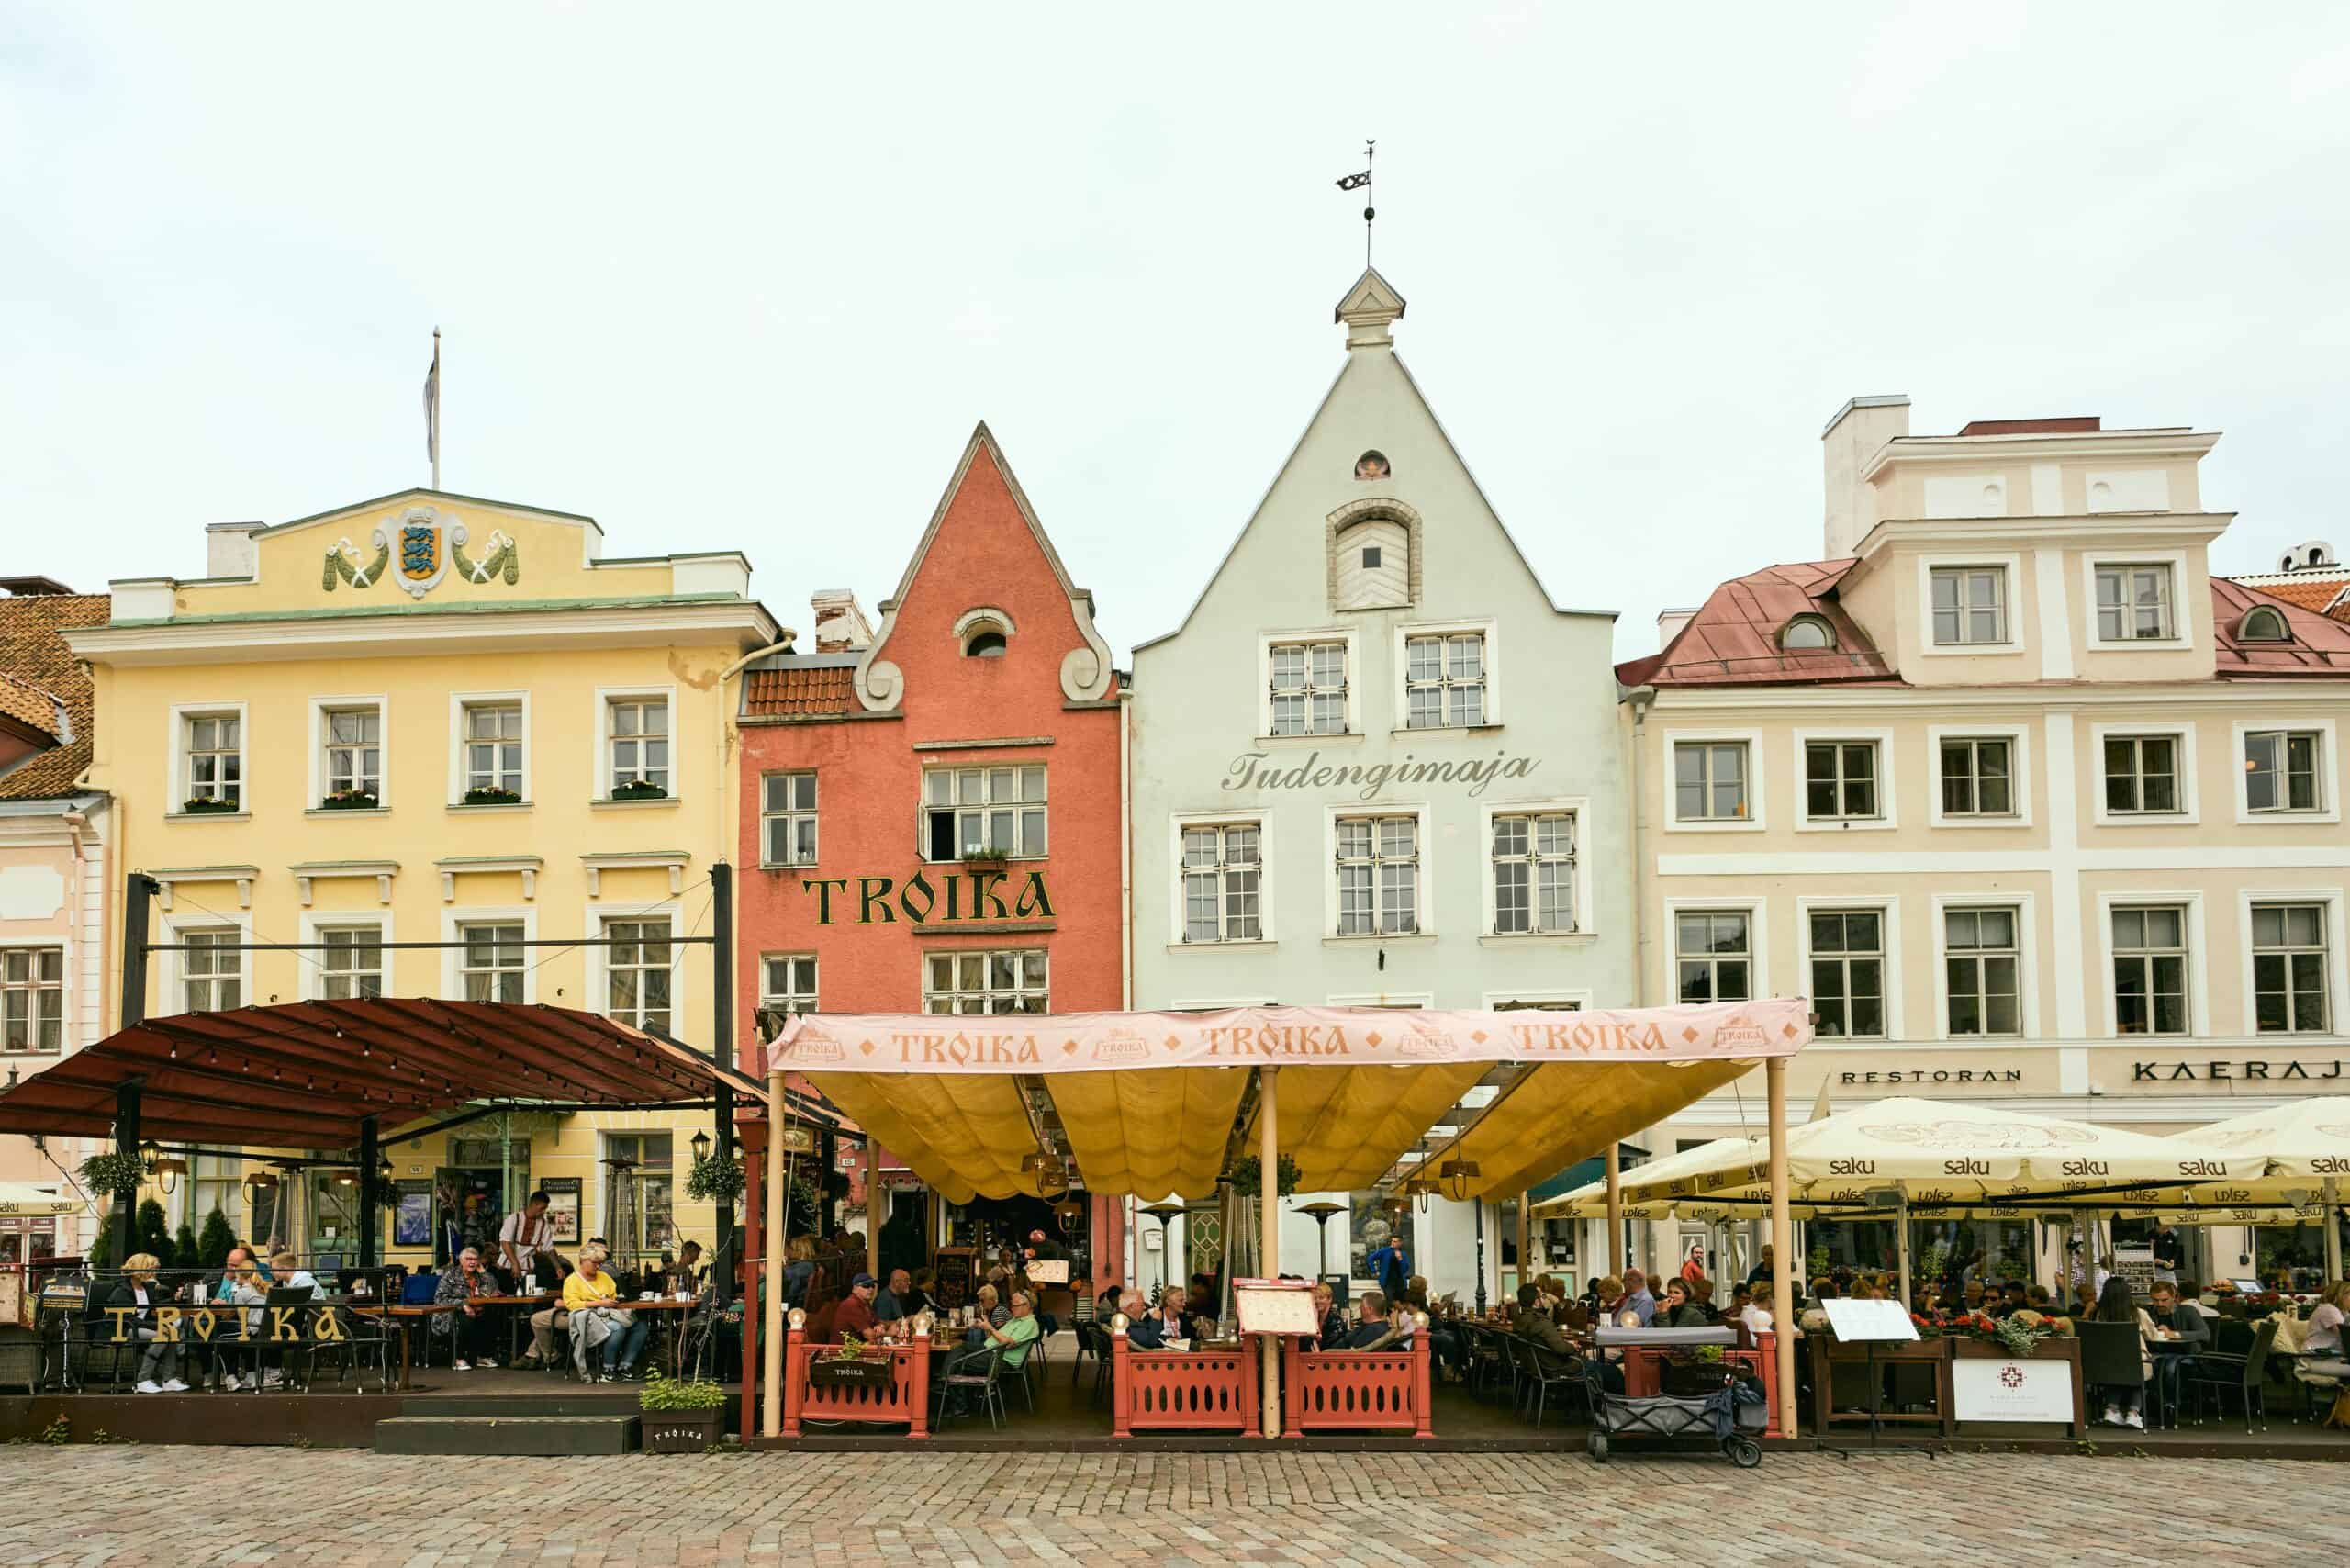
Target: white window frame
(320,707)
(922,972)
(2018,739)
(1424,907)
(1887,908)
(2337,958)
(2329,784)
(458,773)
(1757,817)
(1264,675)
(176,748)
(1392,1001)
(310,967)
(2182,615)
(1758,932)
(172,973)
(1576,806)
(63,947)
(769,998)
(1882,742)
(815,815)
(2199,969)
(2027,962)
(608,695)
(1543,996)
(455,917)
(2191,812)
(600,959)
(1400,691)
(1018,807)
(1266,903)
(2010,591)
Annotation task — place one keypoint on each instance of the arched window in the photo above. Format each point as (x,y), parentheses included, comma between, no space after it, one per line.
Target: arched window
(1371,465)
(984,644)
(1807,634)
(2262,624)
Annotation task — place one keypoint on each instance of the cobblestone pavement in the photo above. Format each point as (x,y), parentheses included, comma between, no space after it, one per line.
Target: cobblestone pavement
(185,1507)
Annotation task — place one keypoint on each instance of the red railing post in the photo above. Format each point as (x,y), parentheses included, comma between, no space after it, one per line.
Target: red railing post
(919,1377)
(793,1373)
(1293,1398)
(1122,1384)
(1422,1381)
(1768,1345)
(1251,1401)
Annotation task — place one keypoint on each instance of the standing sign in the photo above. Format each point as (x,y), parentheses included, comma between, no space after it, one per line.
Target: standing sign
(1275,1306)
(2136,1264)
(563,1207)
(1985,1390)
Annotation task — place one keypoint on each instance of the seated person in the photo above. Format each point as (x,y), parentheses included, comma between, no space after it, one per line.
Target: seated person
(1333,1335)
(1018,1331)
(889,1304)
(469,1329)
(2189,1328)
(285,1273)
(925,1295)
(1677,1310)
(1174,1318)
(1143,1332)
(987,1310)
(2035,1297)
(686,1273)
(1535,1325)
(545,1321)
(2322,1342)
(1972,1295)
(129,1299)
(853,1316)
(2124,1402)
(1375,1332)
(591,1296)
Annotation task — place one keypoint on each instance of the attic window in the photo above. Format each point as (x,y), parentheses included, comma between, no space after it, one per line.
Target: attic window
(1371,465)
(1807,634)
(2262,624)
(984,644)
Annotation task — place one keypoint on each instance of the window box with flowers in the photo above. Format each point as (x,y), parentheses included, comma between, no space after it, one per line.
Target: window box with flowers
(490,795)
(209,806)
(639,790)
(350,801)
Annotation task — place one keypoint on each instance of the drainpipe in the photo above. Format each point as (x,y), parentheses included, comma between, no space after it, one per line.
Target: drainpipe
(1641,698)
(723,797)
(1126,849)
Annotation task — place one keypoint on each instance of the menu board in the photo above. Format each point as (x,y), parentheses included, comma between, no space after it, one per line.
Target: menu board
(1857,1321)
(1275,1306)
(1047,1271)
(563,1207)
(953,1266)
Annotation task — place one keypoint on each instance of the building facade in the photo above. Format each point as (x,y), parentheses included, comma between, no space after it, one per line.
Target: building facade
(931,814)
(432,717)
(1377,764)
(2037,811)
(55,885)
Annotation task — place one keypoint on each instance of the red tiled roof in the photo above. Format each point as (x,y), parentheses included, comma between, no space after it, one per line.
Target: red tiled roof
(799,691)
(29,706)
(2320,645)
(1733,639)
(2061,425)
(2310,591)
(34,655)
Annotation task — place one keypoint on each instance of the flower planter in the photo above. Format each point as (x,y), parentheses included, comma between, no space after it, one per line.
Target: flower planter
(640,792)
(208,807)
(876,1371)
(491,797)
(680,1432)
(1690,1380)
(349,803)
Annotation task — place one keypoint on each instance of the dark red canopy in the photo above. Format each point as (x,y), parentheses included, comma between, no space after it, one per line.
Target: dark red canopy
(305,1074)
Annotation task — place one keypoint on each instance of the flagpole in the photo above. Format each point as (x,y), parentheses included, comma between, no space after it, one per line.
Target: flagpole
(436,408)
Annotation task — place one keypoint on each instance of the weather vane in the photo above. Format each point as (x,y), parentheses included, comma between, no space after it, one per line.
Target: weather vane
(1363,183)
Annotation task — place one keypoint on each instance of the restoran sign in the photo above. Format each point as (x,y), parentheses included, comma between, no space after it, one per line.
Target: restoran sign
(1278,1036)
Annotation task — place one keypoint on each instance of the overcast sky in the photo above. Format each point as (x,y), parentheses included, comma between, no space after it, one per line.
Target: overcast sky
(746,280)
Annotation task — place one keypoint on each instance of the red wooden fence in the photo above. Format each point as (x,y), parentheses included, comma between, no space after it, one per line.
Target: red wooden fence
(905,1397)
(1353,1389)
(1191,1390)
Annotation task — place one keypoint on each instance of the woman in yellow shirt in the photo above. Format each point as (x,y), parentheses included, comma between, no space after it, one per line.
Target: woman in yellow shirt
(590,1294)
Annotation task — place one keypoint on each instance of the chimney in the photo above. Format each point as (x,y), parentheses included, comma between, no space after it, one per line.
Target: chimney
(1860,428)
(840,626)
(229,550)
(1668,623)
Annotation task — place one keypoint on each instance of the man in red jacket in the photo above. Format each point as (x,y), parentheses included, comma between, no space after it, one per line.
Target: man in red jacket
(855,1314)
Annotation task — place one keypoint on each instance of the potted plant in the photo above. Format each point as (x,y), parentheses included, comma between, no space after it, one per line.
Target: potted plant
(680,1415)
(350,801)
(639,790)
(207,805)
(490,795)
(853,1360)
(1691,1374)
(114,1174)
(715,1179)
(983,855)
(1248,1177)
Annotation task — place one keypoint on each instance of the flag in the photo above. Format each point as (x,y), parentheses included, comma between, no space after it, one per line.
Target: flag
(432,404)
(1355,182)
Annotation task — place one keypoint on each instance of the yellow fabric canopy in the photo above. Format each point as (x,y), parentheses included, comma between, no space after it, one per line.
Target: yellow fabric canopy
(1346,1126)
(1151,1132)
(1564,1112)
(963,1135)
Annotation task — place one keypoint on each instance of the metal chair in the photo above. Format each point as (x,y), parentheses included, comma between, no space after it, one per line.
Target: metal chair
(1545,1377)
(2112,1358)
(987,1385)
(2217,1372)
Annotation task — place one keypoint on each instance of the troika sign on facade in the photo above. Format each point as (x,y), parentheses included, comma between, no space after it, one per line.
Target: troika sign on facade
(1257,770)
(954,896)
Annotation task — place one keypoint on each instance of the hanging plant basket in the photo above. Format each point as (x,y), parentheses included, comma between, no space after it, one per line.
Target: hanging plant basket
(714,1179)
(115,1174)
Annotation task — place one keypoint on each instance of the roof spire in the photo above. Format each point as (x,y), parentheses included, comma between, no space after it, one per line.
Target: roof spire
(1367,309)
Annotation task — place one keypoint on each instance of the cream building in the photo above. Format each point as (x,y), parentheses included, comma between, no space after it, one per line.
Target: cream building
(428,717)
(2034,808)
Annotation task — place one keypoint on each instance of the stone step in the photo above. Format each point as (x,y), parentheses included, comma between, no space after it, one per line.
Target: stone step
(546,1437)
(575,1401)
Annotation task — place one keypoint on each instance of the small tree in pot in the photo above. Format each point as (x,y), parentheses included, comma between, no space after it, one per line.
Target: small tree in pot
(681,1417)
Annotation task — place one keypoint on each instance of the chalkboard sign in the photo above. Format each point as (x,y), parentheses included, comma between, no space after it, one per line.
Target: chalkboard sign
(953,1267)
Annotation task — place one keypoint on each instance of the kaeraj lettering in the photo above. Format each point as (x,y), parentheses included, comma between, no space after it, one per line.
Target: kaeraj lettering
(2228,1071)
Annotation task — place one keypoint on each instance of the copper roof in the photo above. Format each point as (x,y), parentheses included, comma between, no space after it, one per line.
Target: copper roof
(2319,645)
(1733,639)
(799,691)
(33,654)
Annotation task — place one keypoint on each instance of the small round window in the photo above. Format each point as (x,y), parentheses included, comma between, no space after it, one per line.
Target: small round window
(1371,465)
(984,644)
(2262,624)
(1807,634)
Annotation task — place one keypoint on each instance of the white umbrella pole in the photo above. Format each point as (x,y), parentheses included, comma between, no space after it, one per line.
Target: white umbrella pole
(1901,1248)
(2332,1230)
(1268,1187)
(1782,1291)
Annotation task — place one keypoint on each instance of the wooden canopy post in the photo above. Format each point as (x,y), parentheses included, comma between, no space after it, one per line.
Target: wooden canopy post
(1783,1289)
(1268,1232)
(370,1199)
(770,1307)
(125,1141)
(1525,1237)
(1614,1208)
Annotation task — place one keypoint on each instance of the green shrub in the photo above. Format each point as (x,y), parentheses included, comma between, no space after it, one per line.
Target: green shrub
(668,1393)
(154,1231)
(212,1246)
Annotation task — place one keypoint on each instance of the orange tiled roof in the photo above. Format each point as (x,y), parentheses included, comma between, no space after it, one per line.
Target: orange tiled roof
(798,691)
(2310,591)
(33,654)
(29,706)
(1733,639)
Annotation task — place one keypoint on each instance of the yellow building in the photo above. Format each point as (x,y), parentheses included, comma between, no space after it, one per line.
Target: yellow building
(429,717)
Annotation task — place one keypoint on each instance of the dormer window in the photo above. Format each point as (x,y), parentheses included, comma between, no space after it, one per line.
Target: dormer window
(2262,624)
(985,646)
(983,634)
(1807,634)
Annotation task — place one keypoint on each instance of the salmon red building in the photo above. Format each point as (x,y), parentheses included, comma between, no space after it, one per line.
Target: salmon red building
(930,811)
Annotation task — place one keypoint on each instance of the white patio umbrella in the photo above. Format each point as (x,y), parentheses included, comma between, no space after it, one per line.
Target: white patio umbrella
(23,1198)
(2303,1148)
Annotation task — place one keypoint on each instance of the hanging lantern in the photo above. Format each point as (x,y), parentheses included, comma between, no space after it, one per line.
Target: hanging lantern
(1071,1216)
(167,1170)
(257,1182)
(700,1142)
(1456,1175)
